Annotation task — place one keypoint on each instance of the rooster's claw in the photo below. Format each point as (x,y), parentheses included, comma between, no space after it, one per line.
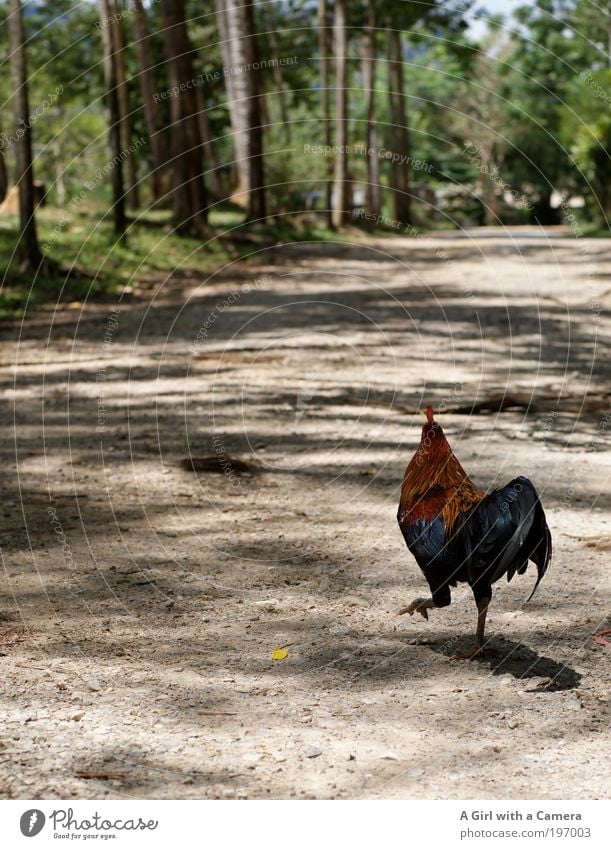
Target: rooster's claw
(418,605)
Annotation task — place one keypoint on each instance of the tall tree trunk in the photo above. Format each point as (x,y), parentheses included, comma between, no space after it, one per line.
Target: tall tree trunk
(159,153)
(28,239)
(248,99)
(205,133)
(237,112)
(117,41)
(60,183)
(323,49)
(114,130)
(3,174)
(280,93)
(340,44)
(486,188)
(399,131)
(372,190)
(257,201)
(189,191)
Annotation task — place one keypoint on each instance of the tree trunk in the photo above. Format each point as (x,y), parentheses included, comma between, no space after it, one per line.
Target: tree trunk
(486,187)
(340,43)
(204,131)
(257,201)
(280,93)
(60,184)
(159,153)
(117,41)
(373,163)
(323,48)
(28,240)
(114,131)
(189,192)
(237,112)
(399,132)
(3,174)
(247,94)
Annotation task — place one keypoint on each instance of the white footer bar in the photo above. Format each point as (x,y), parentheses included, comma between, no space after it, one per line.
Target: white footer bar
(305,825)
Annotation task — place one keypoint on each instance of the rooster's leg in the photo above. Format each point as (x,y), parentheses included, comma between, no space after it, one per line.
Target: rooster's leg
(477,649)
(418,605)
(482,610)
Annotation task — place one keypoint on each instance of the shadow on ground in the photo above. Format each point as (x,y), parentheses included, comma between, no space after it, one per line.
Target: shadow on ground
(504,657)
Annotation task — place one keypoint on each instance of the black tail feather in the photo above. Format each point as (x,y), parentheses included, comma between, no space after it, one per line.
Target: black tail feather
(541,554)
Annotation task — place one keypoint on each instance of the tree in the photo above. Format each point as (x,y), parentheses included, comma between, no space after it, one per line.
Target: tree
(237,114)
(28,240)
(585,130)
(205,134)
(398,17)
(116,27)
(242,63)
(592,21)
(545,58)
(280,93)
(399,130)
(159,154)
(114,127)
(323,48)
(257,202)
(340,45)
(482,116)
(3,174)
(189,197)
(372,188)
(66,91)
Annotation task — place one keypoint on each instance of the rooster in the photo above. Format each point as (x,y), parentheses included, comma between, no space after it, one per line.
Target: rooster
(457,532)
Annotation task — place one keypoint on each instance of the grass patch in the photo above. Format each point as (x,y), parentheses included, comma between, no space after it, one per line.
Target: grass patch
(593,231)
(84,239)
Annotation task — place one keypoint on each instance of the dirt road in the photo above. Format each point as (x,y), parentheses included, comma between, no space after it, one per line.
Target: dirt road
(142,601)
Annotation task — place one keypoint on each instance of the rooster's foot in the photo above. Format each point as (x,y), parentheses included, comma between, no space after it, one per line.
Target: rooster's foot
(418,605)
(475,651)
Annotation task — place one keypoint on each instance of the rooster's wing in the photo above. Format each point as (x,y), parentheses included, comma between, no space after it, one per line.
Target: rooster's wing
(503,532)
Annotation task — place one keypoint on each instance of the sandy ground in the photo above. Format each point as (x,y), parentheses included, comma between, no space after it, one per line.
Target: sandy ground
(141,602)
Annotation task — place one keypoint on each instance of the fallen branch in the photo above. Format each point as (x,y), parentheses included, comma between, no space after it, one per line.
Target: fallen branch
(218,464)
(102,776)
(216,713)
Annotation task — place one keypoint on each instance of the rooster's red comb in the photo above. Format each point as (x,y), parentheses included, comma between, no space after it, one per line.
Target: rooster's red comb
(430,412)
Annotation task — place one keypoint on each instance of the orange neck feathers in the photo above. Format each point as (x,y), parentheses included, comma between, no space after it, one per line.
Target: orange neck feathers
(435,467)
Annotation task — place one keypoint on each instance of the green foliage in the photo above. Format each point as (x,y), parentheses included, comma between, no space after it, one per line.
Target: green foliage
(440,104)
(585,126)
(550,52)
(535,102)
(66,95)
(81,235)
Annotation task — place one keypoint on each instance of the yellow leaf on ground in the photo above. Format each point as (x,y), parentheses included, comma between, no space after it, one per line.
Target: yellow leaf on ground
(279,654)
